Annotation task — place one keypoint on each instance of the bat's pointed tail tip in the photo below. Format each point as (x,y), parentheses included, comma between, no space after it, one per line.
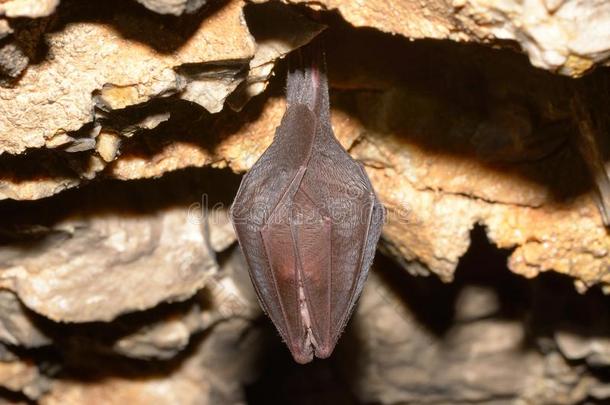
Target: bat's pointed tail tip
(302,353)
(302,357)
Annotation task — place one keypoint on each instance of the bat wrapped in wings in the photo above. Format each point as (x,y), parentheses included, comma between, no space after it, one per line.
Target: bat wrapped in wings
(307,219)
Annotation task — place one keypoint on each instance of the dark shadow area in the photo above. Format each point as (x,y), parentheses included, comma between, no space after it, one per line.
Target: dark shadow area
(485,265)
(39,165)
(188,123)
(88,361)
(578,324)
(28,48)
(433,302)
(10,397)
(164,33)
(116,197)
(430,300)
(558,307)
(462,100)
(283,381)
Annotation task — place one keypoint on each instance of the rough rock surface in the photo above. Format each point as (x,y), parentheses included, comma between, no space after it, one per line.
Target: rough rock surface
(567,36)
(454,357)
(409,363)
(227,295)
(21,375)
(117,67)
(507,156)
(141,250)
(175,7)
(93,109)
(28,8)
(18,327)
(123,283)
(166,260)
(210,374)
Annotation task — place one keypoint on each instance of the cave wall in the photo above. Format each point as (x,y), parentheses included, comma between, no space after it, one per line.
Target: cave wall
(125,128)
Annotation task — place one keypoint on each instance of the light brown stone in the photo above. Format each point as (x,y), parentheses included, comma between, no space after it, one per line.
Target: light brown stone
(175,7)
(93,57)
(17,325)
(136,260)
(23,376)
(569,37)
(28,8)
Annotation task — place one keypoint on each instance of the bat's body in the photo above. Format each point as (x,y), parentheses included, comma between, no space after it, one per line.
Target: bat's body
(308,220)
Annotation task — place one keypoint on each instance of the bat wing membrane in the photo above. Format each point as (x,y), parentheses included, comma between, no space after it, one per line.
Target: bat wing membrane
(274,173)
(355,216)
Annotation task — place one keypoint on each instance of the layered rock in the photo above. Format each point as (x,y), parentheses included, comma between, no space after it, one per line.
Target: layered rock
(122,137)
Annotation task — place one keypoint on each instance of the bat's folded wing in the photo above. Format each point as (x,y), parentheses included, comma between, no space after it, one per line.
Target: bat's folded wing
(356,219)
(260,195)
(312,234)
(298,250)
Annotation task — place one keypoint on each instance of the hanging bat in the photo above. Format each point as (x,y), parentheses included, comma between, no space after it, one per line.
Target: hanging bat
(307,219)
